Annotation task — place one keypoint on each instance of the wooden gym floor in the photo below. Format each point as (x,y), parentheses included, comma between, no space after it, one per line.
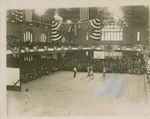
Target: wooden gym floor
(59,94)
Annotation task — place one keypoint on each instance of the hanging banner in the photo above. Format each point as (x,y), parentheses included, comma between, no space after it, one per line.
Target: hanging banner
(46,48)
(59,30)
(84,14)
(92,28)
(35,48)
(15,52)
(26,49)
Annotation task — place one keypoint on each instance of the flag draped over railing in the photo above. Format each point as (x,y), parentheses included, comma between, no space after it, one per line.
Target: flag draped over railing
(92,27)
(59,30)
(18,14)
(54,32)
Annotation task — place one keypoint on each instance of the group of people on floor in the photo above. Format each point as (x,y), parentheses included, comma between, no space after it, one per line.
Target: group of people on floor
(127,64)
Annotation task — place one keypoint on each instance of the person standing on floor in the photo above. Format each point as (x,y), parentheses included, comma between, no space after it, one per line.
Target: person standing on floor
(104,71)
(91,73)
(75,71)
(88,70)
(26,97)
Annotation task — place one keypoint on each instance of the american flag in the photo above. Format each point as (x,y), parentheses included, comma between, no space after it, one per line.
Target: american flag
(18,14)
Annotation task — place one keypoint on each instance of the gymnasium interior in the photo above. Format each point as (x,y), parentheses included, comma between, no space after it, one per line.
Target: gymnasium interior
(44,46)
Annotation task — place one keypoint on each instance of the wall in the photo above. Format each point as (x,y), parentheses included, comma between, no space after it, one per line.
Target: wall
(129,35)
(19,30)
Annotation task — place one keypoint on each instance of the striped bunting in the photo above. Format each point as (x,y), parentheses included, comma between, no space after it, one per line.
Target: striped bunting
(92,27)
(54,34)
(96,35)
(18,14)
(59,30)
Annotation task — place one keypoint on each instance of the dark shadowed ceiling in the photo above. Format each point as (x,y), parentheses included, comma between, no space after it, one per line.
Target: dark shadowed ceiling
(132,15)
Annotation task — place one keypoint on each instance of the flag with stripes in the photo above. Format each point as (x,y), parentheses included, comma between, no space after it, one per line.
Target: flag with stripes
(96,35)
(84,14)
(92,28)
(54,33)
(28,15)
(59,29)
(18,14)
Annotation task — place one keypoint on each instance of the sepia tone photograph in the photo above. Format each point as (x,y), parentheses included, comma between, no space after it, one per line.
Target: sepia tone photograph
(78,61)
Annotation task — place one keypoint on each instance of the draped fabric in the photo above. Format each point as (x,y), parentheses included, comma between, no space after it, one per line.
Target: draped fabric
(63,29)
(59,30)
(18,15)
(84,14)
(28,15)
(109,48)
(35,48)
(26,49)
(15,51)
(96,35)
(54,33)
(87,27)
(92,28)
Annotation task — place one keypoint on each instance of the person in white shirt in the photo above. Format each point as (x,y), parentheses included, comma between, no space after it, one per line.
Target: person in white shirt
(26,97)
(75,71)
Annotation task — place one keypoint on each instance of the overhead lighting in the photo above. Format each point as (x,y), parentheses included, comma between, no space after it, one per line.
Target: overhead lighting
(40,11)
(113,9)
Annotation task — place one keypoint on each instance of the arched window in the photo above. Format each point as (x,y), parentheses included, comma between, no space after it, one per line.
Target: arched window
(43,37)
(28,36)
(112,33)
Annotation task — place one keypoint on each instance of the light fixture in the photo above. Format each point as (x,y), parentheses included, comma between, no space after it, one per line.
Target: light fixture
(40,11)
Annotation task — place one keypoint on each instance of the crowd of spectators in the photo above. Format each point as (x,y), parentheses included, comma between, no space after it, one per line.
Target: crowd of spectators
(126,64)
(37,67)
